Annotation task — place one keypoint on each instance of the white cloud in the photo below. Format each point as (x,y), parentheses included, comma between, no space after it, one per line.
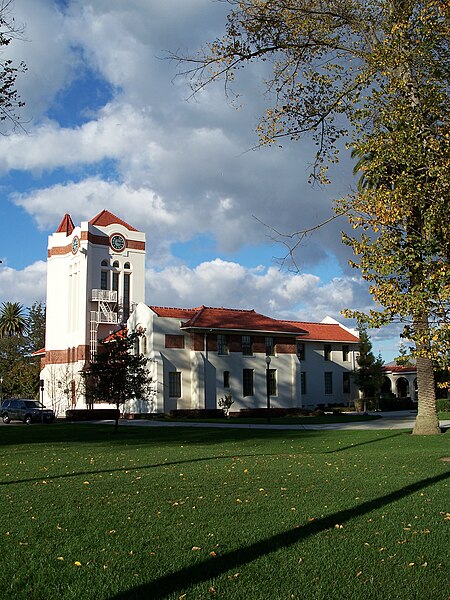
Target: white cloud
(25,286)
(270,291)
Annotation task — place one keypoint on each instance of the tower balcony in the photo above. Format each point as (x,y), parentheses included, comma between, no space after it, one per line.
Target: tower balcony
(103,317)
(104,295)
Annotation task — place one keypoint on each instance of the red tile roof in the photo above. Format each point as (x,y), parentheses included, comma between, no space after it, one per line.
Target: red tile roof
(105,218)
(325,332)
(174,313)
(66,226)
(390,368)
(206,317)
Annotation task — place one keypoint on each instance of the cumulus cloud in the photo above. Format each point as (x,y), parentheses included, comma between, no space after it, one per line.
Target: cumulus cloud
(269,291)
(25,286)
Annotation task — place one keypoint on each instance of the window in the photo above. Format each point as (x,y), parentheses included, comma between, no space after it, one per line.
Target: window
(144,344)
(247,382)
(126,296)
(104,280)
(116,264)
(222,344)
(104,263)
(327,351)
(270,346)
(303,382)
(346,383)
(174,341)
(328,382)
(345,353)
(247,346)
(226,379)
(175,384)
(127,265)
(301,350)
(115,282)
(272,381)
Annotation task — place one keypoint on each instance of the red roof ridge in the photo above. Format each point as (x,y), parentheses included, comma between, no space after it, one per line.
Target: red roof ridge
(105,217)
(66,226)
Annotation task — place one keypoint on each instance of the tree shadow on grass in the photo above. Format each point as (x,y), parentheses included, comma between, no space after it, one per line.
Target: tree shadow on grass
(380,438)
(179,581)
(138,468)
(60,433)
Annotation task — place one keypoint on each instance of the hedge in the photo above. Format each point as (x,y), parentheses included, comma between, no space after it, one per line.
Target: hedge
(92,414)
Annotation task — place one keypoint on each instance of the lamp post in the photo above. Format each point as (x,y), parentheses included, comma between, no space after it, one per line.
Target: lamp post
(1,387)
(41,385)
(268,387)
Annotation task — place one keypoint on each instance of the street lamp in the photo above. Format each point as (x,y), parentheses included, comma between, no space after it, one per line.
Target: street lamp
(1,387)
(268,387)
(41,386)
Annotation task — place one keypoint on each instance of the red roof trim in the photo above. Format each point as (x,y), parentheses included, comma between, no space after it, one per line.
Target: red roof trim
(40,352)
(105,218)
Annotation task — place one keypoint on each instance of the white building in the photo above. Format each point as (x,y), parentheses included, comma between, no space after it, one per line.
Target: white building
(96,275)
(199,355)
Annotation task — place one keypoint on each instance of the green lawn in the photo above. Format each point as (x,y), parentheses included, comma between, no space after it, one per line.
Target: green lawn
(187,514)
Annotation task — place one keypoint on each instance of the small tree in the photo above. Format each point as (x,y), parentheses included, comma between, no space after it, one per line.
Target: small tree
(118,373)
(369,375)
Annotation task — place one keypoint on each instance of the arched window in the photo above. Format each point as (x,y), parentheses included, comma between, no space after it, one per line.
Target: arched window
(104,263)
(127,265)
(116,264)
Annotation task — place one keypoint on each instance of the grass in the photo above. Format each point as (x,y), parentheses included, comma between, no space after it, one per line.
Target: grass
(183,513)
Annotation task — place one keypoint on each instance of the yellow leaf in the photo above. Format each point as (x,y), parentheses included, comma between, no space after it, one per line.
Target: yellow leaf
(77,563)
(195,548)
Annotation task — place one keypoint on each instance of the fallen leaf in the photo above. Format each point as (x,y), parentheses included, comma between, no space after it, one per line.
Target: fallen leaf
(195,548)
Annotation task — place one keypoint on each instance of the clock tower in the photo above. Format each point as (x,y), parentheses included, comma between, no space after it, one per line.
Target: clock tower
(95,278)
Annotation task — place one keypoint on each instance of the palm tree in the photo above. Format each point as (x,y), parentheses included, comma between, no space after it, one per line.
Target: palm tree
(12,319)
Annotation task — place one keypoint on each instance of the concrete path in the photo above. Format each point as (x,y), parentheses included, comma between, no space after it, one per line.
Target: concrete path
(388,420)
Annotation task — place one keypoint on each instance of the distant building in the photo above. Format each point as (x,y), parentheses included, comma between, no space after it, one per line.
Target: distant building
(95,286)
(400,381)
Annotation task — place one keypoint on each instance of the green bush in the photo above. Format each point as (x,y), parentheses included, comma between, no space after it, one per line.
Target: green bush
(443,405)
(94,414)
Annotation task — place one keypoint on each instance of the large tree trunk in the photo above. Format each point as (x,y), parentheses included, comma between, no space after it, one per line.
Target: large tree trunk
(426,421)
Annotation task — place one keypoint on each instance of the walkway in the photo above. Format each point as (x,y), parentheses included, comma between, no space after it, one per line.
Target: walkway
(388,420)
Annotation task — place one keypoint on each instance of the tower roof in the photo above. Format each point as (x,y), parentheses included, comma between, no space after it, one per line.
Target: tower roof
(66,226)
(105,218)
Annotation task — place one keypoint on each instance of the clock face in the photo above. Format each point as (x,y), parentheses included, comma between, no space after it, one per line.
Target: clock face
(117,242)
(75,244)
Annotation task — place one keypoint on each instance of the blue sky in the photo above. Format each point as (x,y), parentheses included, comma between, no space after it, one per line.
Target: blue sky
(107,124)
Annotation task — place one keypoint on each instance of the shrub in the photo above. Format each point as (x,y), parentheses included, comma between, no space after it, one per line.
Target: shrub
(203,413)
(92,414)
(443,405)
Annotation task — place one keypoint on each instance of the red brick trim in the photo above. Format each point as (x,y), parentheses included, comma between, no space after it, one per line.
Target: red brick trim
(67,356)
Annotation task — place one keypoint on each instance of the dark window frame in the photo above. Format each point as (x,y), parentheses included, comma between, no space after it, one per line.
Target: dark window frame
(328,383)
(248,388)
(247,345)
(174,384)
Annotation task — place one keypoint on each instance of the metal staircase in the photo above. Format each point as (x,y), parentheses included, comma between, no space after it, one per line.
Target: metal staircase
(105,313)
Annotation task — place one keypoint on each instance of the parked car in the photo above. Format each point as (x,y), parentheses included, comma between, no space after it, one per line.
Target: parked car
(28,411)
